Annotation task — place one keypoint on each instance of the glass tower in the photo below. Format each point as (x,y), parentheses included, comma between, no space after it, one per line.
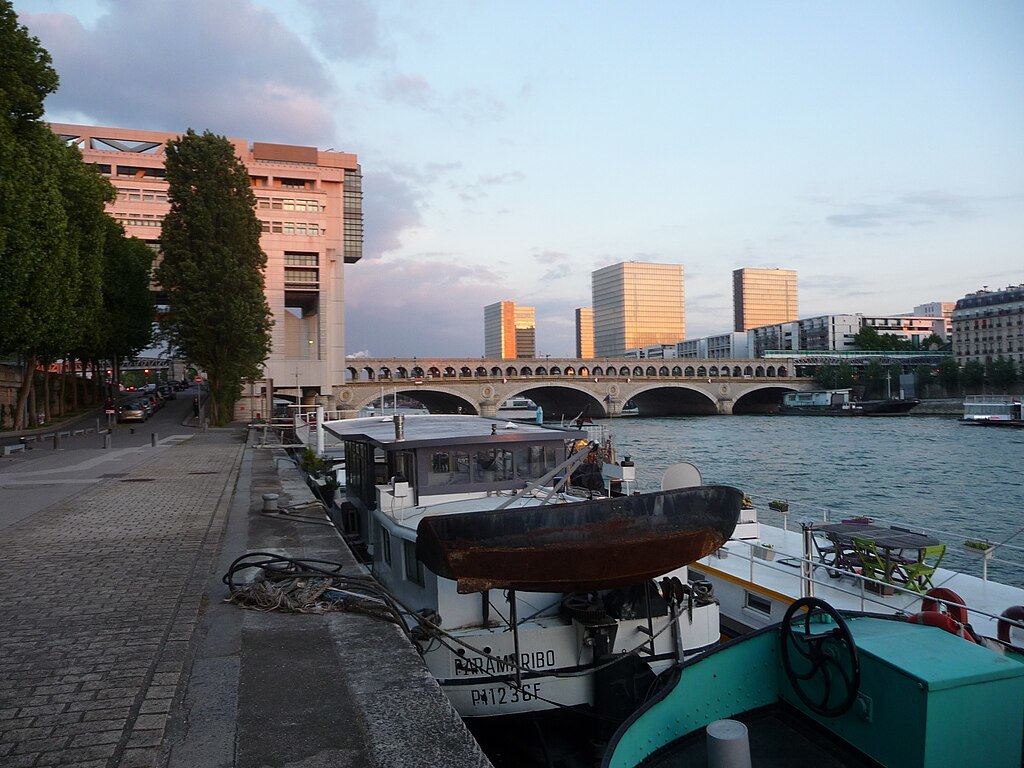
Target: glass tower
(637,304)
(510,331)
(763,297)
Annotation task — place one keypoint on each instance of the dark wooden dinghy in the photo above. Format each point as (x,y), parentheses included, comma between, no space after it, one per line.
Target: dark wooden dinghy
(579,547)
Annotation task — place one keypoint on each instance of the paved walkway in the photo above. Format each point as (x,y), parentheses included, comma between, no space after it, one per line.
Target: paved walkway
(116,649)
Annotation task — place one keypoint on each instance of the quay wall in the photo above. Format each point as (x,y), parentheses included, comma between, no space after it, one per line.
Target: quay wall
(949,406)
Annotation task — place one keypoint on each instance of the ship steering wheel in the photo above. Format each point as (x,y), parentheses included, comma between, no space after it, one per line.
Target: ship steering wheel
(822,667)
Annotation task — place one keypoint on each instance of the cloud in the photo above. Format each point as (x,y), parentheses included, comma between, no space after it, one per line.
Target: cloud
(478,190)
(558,264)
(468,105)
(391,206)
(420,305)
(913,209)
(229,67)
(347,31)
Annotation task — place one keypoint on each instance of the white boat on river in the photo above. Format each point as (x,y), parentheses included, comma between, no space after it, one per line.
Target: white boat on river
(755,592)
(533,577)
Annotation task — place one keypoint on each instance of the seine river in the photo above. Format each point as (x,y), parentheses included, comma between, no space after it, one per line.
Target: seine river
(929,472)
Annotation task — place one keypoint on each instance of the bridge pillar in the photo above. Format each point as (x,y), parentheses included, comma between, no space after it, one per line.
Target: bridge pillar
(724,407)
(613,405)
(488,408)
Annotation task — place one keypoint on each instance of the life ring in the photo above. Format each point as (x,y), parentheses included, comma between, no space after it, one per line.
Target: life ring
(930,603)
(613,390)
(345,395)
(942,621)
(1013,613)
(487,391)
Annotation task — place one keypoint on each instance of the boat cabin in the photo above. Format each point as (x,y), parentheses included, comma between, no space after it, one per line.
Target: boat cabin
(827,398)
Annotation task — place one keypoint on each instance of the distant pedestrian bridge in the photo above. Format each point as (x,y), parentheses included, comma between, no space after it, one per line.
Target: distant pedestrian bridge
(569,387)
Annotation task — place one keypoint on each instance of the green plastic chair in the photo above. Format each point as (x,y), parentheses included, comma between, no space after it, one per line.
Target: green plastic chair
(872,563)
(919,574)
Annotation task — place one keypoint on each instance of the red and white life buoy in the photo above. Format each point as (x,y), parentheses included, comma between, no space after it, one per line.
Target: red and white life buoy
(942,600)
(1013,613)
(942,621)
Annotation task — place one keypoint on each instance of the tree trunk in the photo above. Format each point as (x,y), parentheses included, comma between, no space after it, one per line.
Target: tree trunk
(47,410)
(23,392)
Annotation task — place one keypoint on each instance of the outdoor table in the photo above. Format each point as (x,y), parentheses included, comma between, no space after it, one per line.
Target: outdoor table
(890,542)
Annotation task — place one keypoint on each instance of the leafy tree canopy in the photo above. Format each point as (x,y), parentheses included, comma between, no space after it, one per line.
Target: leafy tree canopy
(26,74)
(869,339)
(212,268)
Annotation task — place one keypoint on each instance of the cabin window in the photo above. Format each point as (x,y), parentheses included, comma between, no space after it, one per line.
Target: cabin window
(385,545)
(757,603)
(493,465)
(448,468)
(534,461)
(413,566)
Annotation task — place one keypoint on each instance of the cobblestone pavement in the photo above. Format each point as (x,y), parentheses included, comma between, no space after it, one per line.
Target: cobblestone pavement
(102,592)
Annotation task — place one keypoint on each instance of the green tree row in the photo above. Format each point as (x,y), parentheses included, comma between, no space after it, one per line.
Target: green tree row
(72,286)
(877,380)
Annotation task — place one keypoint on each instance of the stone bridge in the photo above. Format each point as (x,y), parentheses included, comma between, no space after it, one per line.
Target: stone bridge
(569,387)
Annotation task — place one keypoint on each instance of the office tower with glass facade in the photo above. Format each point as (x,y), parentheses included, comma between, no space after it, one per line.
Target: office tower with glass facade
(637,304)
(763,297)
(510,331)
(584,333)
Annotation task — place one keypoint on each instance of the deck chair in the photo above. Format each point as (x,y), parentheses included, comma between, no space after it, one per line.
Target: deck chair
(919,574)
(872,563)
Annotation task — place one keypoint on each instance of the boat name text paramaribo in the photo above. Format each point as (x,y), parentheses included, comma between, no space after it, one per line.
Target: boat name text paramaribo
(469,666)
(502,694)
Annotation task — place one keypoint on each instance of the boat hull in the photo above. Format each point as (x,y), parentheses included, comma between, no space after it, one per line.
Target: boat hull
(579,547)
(861,408)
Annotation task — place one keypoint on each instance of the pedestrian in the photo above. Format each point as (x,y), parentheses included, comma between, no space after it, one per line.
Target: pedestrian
(195,407)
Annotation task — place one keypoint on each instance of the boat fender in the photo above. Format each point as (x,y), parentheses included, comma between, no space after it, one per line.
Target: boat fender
(942,621)
(931,602)
(1013,613)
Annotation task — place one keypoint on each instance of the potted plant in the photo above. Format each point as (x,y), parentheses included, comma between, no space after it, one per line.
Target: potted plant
(979,548)
(764,551)
(779,506)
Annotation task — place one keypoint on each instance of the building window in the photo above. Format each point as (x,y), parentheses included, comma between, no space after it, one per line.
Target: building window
(385,545)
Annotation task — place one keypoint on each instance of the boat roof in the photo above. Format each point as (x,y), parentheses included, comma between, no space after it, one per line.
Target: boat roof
(424,430)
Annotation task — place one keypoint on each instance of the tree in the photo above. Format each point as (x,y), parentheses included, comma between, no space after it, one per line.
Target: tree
(127,301)
(869,339)
(1001,373)
(949,376)
(212,267)
(933,341)
(829,376)
(972,375)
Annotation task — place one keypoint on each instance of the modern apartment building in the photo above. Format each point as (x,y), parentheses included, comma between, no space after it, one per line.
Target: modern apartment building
(309,203)
(835,333)
(584,333)
(989,324)
(637,304)
(510,331)
(735,346)
(763,297)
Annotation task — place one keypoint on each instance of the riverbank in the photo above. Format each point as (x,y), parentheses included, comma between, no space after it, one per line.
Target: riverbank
(118,649)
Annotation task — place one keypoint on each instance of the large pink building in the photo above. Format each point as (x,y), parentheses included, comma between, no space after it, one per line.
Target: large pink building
(310,205)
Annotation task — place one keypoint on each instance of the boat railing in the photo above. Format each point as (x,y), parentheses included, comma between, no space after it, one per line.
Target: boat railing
(796,566)
(1004,553)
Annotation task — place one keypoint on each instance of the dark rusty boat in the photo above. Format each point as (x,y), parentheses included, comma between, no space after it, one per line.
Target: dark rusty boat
(608,542)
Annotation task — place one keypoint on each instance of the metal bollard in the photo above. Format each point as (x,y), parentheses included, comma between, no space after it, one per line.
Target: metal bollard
(728,744)
(153,439)
(106,440)
(269,502)
(56,441)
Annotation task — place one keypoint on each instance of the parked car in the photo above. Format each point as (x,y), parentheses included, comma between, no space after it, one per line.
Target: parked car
(167,392)
(133,410)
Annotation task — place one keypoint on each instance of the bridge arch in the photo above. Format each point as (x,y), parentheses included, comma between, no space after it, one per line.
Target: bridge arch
(762,398)
(673,399)
(560,400)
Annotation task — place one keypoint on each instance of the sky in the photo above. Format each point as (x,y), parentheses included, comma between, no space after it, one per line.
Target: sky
(509,149)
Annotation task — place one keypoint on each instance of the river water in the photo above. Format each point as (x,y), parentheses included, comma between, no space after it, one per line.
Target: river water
(927,472)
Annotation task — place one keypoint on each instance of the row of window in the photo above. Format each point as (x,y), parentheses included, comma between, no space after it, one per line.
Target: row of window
(413,565)
(141,195)
(138,220)
(289,204)
(689,371)
(304,229)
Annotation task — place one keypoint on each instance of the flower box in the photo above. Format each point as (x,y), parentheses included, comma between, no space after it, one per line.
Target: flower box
(979,549)
(764,552)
